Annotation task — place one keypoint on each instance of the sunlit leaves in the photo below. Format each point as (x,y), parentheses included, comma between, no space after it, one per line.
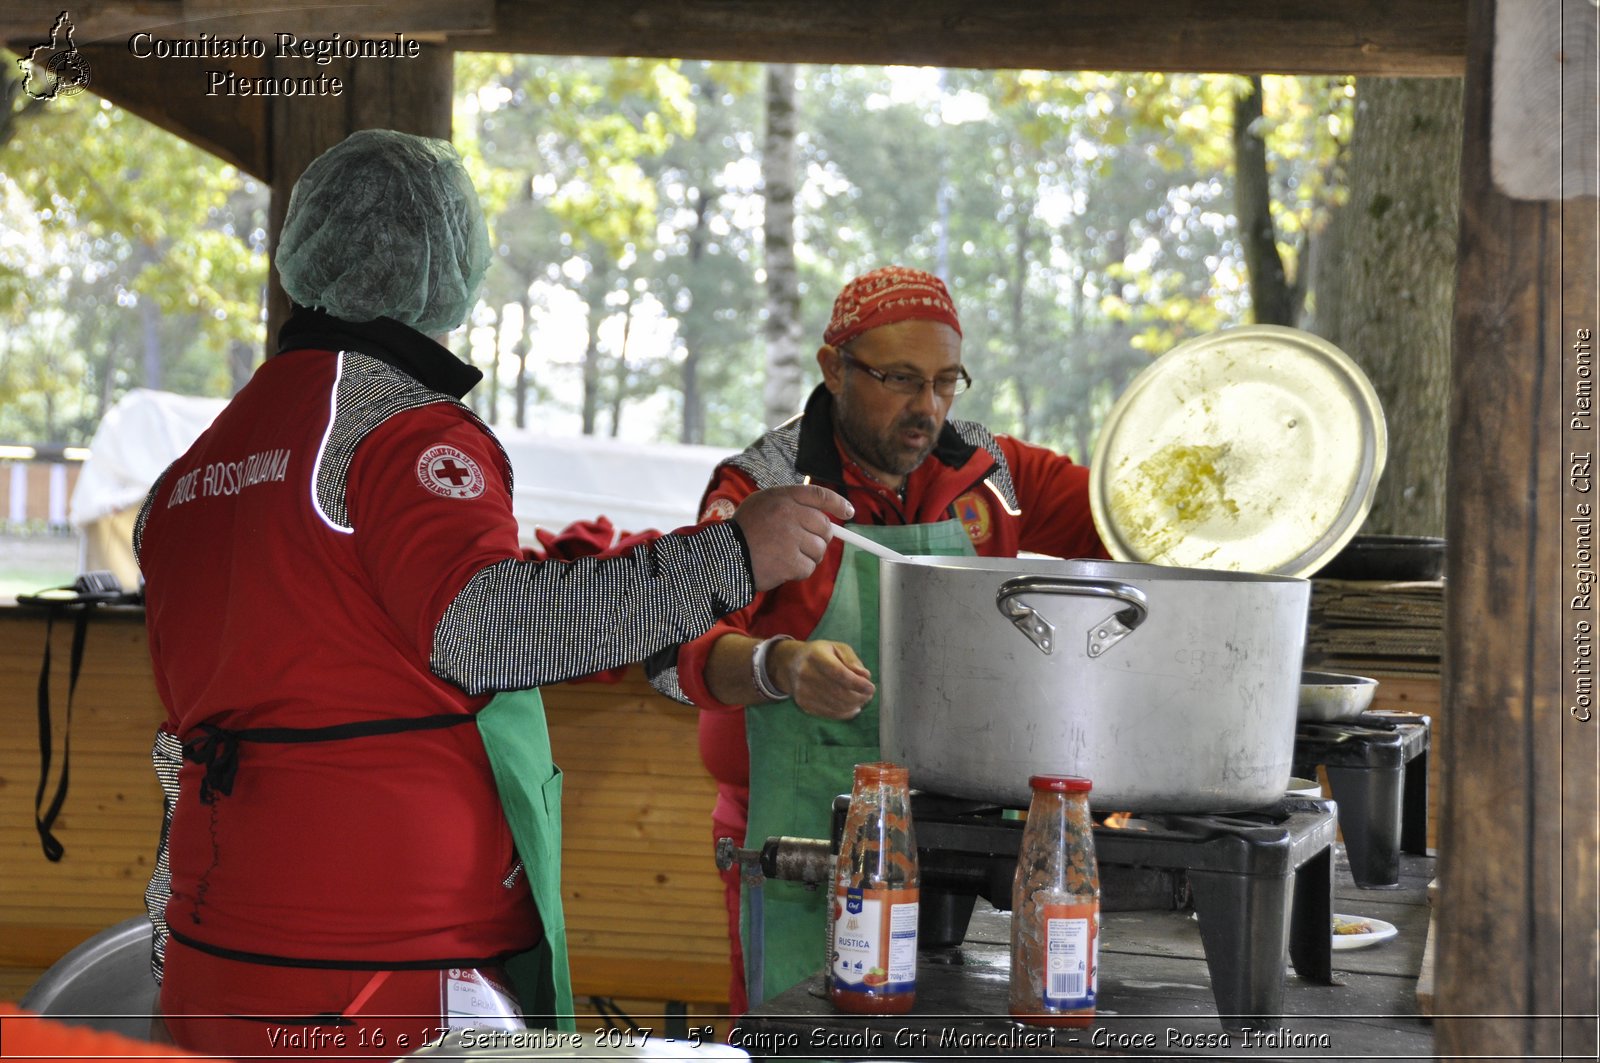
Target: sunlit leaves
(130,221)
(1083,220)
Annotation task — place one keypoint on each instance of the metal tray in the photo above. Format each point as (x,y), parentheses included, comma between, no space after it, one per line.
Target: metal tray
(1388,558)
(1254,449)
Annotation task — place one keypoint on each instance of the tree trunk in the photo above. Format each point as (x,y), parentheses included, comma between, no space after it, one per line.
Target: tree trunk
(106,369)
(491,390)
(1019,302)
(1326,273)
(1271,296)
(1394,295)
(241,362)
(694,403)
(150,333)
(598,287)
(782,395)
(591,370)
(524,345)
(619,393)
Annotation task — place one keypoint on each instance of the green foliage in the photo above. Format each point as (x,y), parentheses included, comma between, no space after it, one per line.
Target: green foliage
(1083,220)
(134,259)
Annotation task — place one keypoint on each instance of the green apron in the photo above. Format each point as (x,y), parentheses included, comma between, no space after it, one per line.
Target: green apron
(799,763)
(518,743)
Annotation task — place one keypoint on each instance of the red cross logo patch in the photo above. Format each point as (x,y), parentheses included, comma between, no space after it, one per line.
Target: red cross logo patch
(446,471)
(719,509)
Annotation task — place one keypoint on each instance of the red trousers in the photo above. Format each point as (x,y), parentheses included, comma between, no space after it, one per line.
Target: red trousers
(738,1001)
(232,1008)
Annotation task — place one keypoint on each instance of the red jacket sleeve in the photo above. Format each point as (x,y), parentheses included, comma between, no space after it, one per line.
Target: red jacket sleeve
(419,547)
(1054,492)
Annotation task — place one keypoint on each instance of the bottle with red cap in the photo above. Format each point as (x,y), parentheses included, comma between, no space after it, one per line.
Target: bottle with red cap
(1055,908)
(872,961)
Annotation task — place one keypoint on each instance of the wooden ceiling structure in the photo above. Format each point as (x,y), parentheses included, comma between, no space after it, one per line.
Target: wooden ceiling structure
(1517,945)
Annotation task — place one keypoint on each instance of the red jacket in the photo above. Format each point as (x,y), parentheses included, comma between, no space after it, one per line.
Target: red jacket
(253,586)
(334,586)
(1011,497)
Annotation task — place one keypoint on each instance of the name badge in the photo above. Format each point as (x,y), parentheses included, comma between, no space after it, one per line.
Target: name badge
(471,999)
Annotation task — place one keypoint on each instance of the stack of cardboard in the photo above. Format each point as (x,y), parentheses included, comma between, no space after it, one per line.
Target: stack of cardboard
(1389,631)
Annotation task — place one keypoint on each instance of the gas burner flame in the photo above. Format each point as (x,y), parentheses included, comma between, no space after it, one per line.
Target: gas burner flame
(1119,820)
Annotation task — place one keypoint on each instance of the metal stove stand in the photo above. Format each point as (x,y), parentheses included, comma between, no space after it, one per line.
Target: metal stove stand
(1377,768)
(1261,883)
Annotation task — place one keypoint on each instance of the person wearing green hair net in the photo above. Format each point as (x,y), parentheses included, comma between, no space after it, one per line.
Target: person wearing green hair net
(363,818)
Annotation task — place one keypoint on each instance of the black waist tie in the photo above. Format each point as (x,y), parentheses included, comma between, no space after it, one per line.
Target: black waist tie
(217,748)
(268,959)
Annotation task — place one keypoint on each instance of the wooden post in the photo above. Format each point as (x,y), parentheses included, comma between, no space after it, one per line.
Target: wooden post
(1519,832)
(411,95)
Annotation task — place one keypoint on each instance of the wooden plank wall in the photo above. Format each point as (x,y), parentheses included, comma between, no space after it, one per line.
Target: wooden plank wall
(111,821)
(644,903)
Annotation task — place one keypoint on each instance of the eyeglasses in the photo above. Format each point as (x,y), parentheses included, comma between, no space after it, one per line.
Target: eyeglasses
(945,386)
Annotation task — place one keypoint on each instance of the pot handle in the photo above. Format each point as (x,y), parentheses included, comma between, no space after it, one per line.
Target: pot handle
(1102,636)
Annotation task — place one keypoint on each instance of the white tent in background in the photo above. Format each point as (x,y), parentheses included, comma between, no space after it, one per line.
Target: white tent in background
(137,439)
(558,480)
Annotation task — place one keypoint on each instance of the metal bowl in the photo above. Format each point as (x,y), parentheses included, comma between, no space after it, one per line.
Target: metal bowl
(104,984)
(1328,697)
(1304,788)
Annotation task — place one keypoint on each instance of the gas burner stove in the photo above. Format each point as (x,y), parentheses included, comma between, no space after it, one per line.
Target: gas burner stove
(1261,883)
(1377,768)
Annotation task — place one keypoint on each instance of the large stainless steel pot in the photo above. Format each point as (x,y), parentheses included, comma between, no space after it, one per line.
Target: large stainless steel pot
(1172,689)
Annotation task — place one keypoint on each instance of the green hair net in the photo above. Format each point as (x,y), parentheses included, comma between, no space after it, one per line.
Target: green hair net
(385,224)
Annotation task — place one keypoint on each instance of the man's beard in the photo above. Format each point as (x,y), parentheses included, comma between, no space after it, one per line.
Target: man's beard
(886,452)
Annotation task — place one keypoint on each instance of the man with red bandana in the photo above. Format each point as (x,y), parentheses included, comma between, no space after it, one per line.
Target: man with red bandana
(785,685)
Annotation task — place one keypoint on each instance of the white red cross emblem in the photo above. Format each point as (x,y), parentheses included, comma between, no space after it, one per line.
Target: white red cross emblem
(719,509)
(446,471)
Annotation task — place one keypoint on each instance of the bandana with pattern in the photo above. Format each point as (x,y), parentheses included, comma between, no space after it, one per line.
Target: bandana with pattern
(887,295)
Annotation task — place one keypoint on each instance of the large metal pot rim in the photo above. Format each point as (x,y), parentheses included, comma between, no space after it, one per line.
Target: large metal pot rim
(1122,570)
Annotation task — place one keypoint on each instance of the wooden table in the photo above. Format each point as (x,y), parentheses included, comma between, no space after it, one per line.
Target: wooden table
(1155,996)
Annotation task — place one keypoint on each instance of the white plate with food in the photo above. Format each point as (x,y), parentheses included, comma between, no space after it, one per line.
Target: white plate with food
(1359,931)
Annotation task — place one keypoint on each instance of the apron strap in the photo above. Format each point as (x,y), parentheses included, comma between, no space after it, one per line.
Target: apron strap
(217,748)
(372,986)
(45,820)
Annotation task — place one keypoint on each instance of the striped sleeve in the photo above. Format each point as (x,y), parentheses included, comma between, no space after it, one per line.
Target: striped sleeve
(519,624)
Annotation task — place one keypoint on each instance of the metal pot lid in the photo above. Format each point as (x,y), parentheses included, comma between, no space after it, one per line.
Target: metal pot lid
(1254,449)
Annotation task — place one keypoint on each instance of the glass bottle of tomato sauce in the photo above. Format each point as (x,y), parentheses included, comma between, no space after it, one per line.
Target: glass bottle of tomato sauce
(872,961)
(1055,908)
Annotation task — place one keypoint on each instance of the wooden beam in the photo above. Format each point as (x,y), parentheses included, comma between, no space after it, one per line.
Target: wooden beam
(114,22)
(266,18)
(171,93)
(1381,37)
(1393,37)
(1520,825)
(314,16)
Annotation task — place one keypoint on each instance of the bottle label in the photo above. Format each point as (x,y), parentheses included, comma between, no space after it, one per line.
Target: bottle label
(1072,953)
(875,940)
